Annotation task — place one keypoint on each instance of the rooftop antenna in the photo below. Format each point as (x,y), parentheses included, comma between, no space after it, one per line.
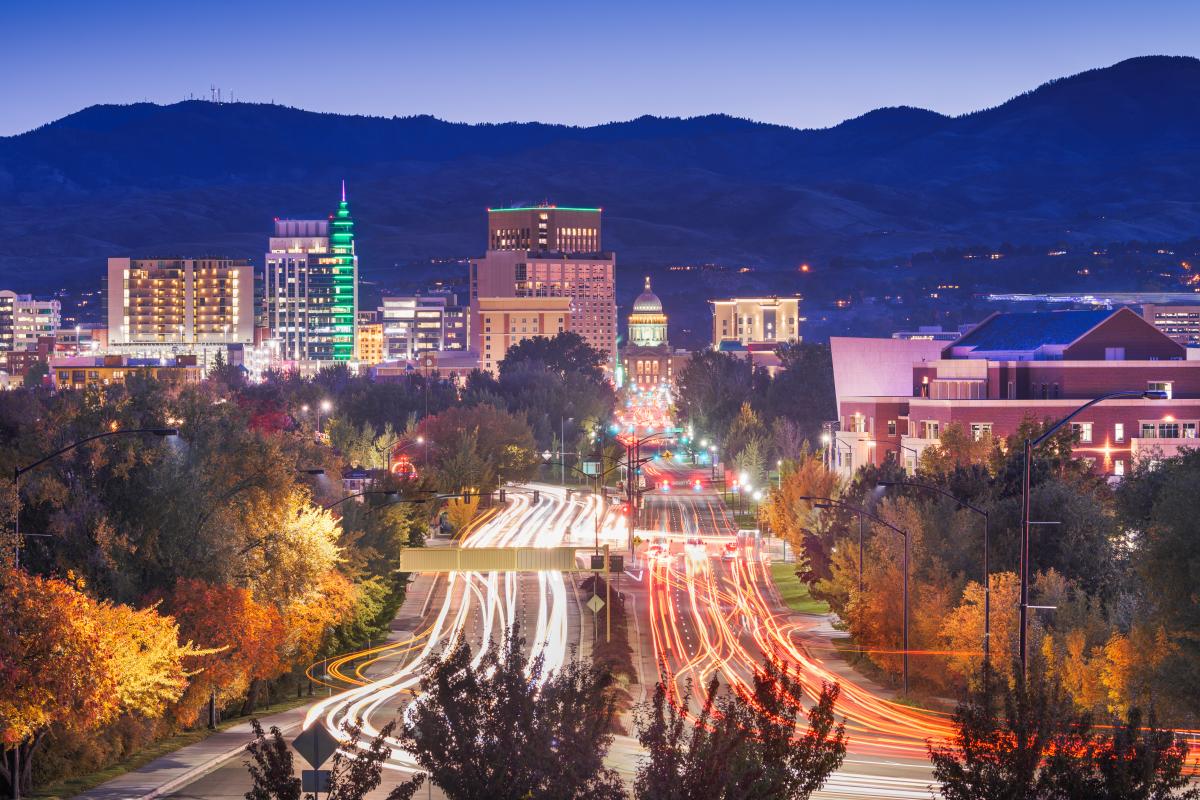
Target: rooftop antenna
(212,92)
(343,190)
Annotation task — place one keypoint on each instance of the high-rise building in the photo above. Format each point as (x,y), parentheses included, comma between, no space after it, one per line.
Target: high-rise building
(161,306)
(504,321)
(544,229)
(8,300)
(741,323)
(546,251)
(34,319)
(310,287)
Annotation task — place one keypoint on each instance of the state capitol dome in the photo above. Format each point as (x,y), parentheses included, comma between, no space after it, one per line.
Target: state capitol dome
(647,302)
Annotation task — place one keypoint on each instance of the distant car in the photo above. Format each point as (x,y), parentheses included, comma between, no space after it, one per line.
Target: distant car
(654,551)
(665,486)
(729,553)
(695,541)
(697,485)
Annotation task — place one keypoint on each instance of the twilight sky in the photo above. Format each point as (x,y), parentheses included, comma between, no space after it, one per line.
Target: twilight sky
(796,62)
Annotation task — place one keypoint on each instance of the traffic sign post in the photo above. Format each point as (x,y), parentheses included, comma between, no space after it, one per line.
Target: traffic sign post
(315,780)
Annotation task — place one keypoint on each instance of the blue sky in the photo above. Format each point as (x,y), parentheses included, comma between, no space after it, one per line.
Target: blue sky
(807,64)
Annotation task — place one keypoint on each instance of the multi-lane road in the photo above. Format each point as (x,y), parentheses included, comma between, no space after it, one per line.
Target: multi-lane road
(716,613)
(700,611)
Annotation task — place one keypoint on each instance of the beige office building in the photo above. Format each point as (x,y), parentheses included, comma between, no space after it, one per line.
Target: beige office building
(741,322)
(504,321)
(158,306)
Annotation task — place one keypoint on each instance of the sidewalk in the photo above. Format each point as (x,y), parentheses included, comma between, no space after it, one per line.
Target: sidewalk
(164,775)
(169,773)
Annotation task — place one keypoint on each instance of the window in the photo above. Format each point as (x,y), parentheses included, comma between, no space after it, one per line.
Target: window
(1118,467)
(1159,386)
(1083,430)
(980,430)
(891,428)
(1119,432)
(1114,354)
(932,430)
(1168,430)
(1148,430)
(1012,390)
(1189,430)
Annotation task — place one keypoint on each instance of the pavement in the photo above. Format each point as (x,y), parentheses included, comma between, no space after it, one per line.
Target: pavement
(168,775)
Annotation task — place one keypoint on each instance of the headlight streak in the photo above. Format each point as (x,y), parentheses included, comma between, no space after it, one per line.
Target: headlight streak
(494,596)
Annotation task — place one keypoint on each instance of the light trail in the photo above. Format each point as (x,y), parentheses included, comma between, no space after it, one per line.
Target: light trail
(492,598)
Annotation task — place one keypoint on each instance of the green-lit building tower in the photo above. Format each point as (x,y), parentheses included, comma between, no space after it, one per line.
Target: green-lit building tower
(343,301)
(310,287)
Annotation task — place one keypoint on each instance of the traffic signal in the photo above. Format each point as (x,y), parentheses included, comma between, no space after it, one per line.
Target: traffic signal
(537,495)
(501,495)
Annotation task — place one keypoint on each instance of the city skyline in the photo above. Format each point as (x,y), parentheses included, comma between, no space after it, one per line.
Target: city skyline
(787,64)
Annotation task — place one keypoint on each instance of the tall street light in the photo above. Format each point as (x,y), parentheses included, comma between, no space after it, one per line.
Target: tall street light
(1154,394)
(987,575)
(19,471)
(829,502)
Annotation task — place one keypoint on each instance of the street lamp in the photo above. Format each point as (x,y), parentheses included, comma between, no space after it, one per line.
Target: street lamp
(325,406)
(1150,394)
(19,471)
(987,575)
(829,502)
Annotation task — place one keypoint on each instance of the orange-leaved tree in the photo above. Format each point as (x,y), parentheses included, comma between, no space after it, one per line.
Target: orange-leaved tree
(69,662)
(252,638)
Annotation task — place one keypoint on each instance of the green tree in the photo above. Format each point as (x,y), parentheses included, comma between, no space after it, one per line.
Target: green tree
(564,353)
(711,388)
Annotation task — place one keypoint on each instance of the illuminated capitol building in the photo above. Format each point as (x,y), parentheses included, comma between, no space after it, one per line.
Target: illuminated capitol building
(647,359)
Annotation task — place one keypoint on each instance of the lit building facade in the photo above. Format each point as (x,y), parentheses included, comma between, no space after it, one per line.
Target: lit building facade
(310,287)
(544,229)
(742,322)
(420,323)
(897,398)
(505,321)
(80,372)
(587,282)
(369,338)
(8,300)
(165,306)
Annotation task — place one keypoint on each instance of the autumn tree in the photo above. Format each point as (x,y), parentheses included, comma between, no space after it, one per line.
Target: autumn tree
(68,662)
(962,629)
(750,745)
(795,520)
(1018,739)
(533,734)
(251,638)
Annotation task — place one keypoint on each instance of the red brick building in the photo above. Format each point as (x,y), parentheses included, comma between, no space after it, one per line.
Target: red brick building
(1012,367)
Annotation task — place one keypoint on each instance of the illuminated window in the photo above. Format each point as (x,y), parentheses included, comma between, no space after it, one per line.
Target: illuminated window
(1084,431)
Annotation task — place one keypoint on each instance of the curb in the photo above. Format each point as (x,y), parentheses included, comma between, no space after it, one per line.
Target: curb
(200,770)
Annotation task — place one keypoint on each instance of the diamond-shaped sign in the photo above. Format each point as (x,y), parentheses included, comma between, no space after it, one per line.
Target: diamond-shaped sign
(316,745)
(595,604)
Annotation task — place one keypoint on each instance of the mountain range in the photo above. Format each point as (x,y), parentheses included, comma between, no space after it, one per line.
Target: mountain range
(1112,154)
